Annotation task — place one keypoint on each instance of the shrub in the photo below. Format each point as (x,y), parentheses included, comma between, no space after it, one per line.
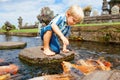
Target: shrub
(8,26)
(87,8)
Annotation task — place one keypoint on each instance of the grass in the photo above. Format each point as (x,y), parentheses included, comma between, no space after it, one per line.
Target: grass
(99,24)
(26,30)
(2,30)
(35,30)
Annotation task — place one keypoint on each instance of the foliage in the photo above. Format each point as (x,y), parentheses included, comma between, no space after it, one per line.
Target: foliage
(1,30)
(87,8)
(8,26)
(45,16)
(107,37)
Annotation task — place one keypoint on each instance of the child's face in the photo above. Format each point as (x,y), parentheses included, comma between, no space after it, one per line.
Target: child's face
(72,20)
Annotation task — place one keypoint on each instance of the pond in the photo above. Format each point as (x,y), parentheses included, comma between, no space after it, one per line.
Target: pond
(110,52)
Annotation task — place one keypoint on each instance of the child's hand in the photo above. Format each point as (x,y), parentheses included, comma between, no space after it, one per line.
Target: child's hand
(65,40)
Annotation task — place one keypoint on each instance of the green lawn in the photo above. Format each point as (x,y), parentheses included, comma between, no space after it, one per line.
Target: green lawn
(22,30)
(2,30)
(26,30)
(99,24)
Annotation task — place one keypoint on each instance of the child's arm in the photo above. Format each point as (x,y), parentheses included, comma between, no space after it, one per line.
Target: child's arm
(60,34)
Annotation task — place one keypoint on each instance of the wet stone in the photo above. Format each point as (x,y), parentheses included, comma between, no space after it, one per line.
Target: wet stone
(12,45)
(35,55)
(115,76)
(96,75)
(99,75)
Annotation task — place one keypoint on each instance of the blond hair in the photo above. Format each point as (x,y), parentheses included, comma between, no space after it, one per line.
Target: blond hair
(76,10)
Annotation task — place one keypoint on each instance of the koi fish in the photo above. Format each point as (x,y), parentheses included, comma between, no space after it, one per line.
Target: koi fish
(1,60)
(5,77)
(100,63)
(87,66)
(12,69)
(77,71)
(83,69)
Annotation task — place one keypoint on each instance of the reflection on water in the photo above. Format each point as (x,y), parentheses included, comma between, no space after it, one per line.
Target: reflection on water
(31,41)
(99,47)
(110,52)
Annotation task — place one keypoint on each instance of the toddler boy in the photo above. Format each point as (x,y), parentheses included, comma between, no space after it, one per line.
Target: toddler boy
(60,27)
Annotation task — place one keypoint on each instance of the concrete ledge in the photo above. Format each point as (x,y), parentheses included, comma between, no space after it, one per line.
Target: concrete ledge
(12,45)
(35,55)
(34,34)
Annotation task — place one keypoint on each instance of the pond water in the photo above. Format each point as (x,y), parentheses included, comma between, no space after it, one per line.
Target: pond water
(110,52)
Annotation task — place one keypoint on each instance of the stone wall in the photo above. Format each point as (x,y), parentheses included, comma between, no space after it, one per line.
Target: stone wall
(97,33)
(102,19)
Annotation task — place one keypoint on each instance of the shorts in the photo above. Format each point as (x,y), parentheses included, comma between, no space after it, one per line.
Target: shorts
(54,42)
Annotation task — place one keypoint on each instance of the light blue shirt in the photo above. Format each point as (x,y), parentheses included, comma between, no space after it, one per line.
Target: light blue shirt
(60,21)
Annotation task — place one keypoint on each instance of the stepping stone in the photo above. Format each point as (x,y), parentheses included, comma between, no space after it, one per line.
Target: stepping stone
(35,55)
(12,45)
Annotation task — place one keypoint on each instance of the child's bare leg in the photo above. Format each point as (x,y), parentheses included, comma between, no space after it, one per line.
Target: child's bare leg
(65,48)
(46,41)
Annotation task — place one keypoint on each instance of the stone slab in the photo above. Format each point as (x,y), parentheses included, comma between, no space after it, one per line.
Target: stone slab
(35,55)
(96,75)
(115,75)
(12,45)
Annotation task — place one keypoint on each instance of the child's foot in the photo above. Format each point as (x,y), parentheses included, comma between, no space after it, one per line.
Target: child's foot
(66,50)
(48,52)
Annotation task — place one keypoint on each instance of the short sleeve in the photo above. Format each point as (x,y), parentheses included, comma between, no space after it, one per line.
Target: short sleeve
(57,20)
